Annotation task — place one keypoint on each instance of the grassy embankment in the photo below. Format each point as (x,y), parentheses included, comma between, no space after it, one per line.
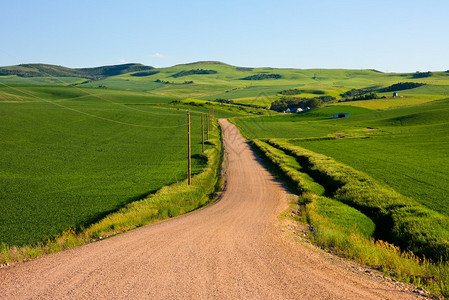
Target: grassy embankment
(417,221)
(338,225)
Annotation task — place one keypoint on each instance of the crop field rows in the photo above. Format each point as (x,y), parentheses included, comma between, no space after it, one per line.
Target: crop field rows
(70,165)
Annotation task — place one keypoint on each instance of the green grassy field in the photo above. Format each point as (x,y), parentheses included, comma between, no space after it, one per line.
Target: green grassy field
(313,123)
(70,156)
(16,80)
(352,214)
(410,156)
(31,93)
(125,84)
(406,148)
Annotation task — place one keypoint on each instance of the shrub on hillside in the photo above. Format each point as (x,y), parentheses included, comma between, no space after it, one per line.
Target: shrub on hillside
(262,76)
(422,74)
(194,72)
(144,73)
(401,86)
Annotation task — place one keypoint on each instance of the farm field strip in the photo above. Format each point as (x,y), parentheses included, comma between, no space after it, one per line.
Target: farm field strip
(62,169)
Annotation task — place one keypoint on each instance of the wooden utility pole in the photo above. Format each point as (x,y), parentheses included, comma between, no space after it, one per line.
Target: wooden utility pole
(210,120)
(212,124)
(207,125)
(202,129)
(189,168)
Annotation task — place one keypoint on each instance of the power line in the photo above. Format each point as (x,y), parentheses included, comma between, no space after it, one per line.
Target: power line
(89,114)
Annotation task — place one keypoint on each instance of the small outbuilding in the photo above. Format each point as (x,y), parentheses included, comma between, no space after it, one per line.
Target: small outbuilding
(395,94)
(341,115)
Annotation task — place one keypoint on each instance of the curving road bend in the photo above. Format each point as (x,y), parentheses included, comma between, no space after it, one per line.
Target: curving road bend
(235,248)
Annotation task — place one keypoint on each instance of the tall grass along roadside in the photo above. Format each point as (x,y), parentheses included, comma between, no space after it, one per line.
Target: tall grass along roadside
(169,201)
(342,211)
(399,219)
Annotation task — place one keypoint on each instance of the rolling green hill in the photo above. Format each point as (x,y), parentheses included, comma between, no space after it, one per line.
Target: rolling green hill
(45,70)
(210,80)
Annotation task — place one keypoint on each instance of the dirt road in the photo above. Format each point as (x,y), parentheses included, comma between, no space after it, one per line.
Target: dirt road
(235,248)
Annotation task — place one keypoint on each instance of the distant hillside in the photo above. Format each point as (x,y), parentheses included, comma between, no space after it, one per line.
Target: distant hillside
(45,70)
(114,70)
(212,80)
(205,62)
(193,72)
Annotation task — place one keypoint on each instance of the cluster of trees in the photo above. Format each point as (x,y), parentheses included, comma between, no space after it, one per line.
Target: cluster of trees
(162,81)
(368,96)
(356,92)
(194,72)
(359,94)
(401,86)
(326,98)
(295,102)
(188,103)
(369,93)
(229,101)
(298,91)
(242,69)
(168,82)
(422,74)
(291,92)
(262,76)
(145,73)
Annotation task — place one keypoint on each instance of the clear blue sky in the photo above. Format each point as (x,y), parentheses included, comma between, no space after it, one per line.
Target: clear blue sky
(394,35)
